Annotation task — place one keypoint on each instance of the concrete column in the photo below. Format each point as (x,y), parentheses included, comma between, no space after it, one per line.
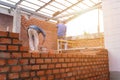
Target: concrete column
(111,12)
(16,21)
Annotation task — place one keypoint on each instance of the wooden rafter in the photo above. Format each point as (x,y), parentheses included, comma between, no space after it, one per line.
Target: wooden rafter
(98,5)
(68,8)
(44,5)
(19,2)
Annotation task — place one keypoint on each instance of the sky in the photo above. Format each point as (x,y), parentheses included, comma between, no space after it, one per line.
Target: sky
(87,22)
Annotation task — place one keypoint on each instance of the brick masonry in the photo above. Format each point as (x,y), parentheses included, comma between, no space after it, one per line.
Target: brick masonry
(49,28)
(18,64)
(86,43)
(9,42)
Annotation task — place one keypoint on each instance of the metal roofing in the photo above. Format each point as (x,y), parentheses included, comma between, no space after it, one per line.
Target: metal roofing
(53,10)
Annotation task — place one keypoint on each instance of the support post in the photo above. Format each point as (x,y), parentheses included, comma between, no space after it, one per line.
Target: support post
(16,21)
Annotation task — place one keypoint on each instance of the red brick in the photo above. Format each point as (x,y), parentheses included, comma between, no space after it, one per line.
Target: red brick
(58,65)
(2,62)
(35,55)
(50,77)
(64,55)
(14,35)
(12,48)
(69,74)
(16,41)
(72,60)
(24,74)
(35,67)
(43,66)
(5,41)
(58,55)
(12,61)
(4,69)
(48,72)
(13,75)
(77,60)
(51,55)
(70,55)
(54,60)
(75,55)
(3,76)
(68,70)
(70,64)
(3,34)
(32,61)
(43,78)
(58,76)
(15,68)
(55,71)
(44,55)
(16,55)
(40,73)
(32,74)
(47,60)
(61,60)
(23,61)
(75,64)
(4,55)
(67,60)
(62,70)
(39,61)
(26,67)
(51,66)
(26,55)
(3,47)
(23,48)
(64,75)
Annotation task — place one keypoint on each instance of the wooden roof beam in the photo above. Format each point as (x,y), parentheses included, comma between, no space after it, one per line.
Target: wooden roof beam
(44,5)
(96,6)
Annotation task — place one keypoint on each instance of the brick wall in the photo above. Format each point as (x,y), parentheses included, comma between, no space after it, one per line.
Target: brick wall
(81,43)
(6,21)
(9,42)
(49,28)
(18,64)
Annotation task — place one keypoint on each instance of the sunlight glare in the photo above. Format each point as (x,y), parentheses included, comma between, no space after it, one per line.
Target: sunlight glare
(87,22)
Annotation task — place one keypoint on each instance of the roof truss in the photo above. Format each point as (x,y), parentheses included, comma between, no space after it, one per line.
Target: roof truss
(63,9)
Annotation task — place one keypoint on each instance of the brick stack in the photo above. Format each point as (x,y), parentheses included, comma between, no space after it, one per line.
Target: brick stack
(16,64)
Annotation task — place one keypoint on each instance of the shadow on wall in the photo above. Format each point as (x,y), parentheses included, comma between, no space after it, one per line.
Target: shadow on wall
(49,28)
(6,22)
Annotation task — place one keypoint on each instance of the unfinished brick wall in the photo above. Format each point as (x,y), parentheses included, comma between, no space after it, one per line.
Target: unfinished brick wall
(17,64)
(6,21)
(49,28)
(82,43)
(9,42)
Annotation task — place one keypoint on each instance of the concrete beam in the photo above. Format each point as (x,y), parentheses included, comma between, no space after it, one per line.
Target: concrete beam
(6,11)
